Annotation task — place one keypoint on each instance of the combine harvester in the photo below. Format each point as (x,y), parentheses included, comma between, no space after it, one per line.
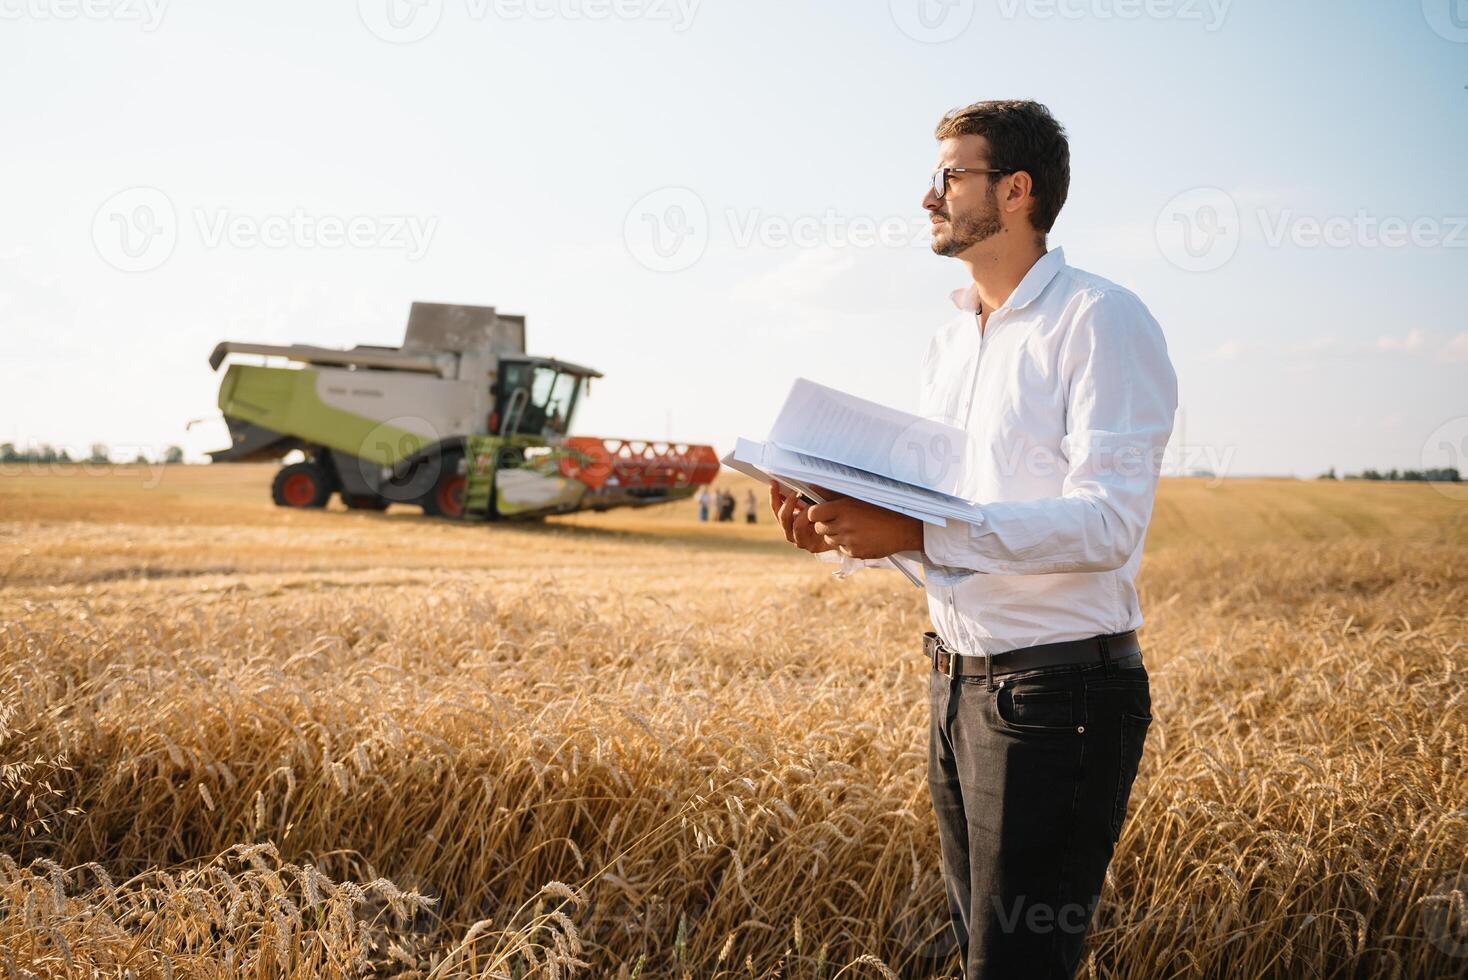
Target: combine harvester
(458,420)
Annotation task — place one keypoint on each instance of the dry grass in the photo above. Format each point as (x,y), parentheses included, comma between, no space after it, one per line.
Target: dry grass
(243,742)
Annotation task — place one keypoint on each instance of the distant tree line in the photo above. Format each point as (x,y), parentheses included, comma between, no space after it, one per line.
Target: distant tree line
(1448,474)
(99,453)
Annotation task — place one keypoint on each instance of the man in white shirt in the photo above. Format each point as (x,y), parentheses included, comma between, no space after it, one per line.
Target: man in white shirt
(1039,700)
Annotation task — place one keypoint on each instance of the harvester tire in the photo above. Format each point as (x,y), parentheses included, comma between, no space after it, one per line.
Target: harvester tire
(446,499)
(306,484)
(363,501)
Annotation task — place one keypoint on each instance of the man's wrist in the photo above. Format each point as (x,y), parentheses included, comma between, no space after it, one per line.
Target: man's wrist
(912,539)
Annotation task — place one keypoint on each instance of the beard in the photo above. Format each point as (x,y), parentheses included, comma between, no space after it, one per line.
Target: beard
(956,237)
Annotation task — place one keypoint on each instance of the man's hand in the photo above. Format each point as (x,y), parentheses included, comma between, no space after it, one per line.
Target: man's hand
(791,512)
(864,530)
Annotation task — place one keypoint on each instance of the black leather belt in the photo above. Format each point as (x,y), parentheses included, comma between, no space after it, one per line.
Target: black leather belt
(1121,649)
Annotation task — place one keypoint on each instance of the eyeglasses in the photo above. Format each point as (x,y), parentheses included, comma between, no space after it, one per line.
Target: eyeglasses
(940,176)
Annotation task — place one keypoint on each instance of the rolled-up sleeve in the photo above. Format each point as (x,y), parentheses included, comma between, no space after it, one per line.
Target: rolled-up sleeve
(1120,397)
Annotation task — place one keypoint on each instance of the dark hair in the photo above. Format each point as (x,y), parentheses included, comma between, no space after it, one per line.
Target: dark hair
(1024,136)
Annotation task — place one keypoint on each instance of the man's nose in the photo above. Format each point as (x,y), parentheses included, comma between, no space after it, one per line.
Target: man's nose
(930,200)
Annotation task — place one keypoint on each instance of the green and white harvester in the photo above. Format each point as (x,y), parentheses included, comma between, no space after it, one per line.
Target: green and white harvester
(459,420)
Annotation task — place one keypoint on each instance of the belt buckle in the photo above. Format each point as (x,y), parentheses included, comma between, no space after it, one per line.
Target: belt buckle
(940,649)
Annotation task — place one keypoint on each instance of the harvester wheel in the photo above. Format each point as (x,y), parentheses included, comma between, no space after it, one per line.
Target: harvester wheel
(446,499)
(302,485)
(364,501)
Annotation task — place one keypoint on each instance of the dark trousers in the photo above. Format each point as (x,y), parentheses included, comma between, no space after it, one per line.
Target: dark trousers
(1030,780)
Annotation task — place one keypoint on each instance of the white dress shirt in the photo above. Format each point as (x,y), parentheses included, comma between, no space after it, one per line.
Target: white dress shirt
(1067,399)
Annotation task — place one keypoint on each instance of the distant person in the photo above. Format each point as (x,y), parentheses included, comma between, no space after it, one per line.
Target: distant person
(705,501)
(726,505)
(751,507)
(1039,702)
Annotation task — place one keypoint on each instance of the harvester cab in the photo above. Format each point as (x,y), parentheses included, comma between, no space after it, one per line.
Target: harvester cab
(459,420)
(537,396)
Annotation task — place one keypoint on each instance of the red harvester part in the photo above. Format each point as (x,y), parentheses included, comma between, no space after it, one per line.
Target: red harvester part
(639,463)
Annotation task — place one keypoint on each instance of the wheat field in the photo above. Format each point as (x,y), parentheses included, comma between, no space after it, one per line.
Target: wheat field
(243,742)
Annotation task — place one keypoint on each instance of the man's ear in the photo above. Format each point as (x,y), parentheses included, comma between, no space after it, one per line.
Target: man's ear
(1021,189)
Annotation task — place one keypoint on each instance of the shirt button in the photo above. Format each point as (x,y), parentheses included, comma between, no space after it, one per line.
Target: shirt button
(1080,729)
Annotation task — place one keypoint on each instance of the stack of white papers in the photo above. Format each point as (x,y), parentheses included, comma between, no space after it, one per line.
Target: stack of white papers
(842,428)
(827,440)
(857,448)
(801,471)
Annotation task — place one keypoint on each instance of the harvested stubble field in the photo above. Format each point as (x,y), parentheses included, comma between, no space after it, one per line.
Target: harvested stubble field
(239,741)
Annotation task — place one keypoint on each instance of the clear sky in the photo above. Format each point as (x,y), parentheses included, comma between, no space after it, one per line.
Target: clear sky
(708,198)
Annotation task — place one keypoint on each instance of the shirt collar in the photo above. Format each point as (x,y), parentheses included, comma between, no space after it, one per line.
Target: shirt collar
(1028,290)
